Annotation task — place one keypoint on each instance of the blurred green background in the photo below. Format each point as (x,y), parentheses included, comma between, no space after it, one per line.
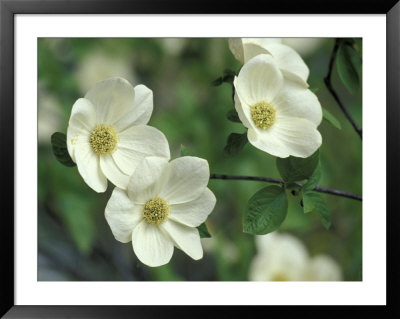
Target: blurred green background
(74,239)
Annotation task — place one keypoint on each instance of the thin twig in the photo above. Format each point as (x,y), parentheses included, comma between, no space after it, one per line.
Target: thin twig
(318,188)
(328,84)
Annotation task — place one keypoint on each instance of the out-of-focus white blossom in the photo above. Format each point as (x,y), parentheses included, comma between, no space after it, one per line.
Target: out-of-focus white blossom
(282,257)
(97,66)
(173,46)
(304,46)
(50,116)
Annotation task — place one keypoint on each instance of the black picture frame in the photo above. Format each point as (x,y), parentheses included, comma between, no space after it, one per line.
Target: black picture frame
(8,10)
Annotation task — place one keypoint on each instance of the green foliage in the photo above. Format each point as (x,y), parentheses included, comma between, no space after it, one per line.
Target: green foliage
(188,116)
(265,211)
(315,202)
(165,273)
(233,116)
(203,231)
(348,64)
(235,143)
(75,211)
(331,119)
(293,169)
(60,151)
(313,179)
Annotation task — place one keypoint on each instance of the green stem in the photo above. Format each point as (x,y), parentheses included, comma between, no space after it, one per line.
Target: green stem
(318,188)
(328,83)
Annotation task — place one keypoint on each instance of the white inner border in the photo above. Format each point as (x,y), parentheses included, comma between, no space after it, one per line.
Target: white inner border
(372,290)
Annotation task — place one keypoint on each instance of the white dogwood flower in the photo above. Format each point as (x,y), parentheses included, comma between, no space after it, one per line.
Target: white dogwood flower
(288,60)
(107,134)
(161,208)
(323,268)
(281,116)
(282,257)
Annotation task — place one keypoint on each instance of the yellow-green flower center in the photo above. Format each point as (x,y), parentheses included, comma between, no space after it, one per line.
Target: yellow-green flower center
(103,139)
(263,114)
(156,211)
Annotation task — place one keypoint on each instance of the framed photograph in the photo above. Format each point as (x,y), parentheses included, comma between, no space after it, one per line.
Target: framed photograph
(165,155)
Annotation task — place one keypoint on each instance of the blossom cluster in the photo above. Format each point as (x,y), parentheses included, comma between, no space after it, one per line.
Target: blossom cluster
(273,99)
(157,203)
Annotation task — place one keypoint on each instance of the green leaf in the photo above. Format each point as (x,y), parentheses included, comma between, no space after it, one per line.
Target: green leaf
(60,151)
(313,180)
(265,211)
(331,119)
(315,202)
(217,82)
(293,169)
(292,185)
(228,77)
(203,231)
(186,151)
(349,66)
(235,143)
(233,116)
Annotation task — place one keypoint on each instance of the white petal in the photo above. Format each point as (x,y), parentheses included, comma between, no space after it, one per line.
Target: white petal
(112,172)
(259,80)
(187,180)
(255,46)
(304,46)
(267,142)
(152,246)
(289,62)
(295,101)
(195,212)
(243,110)
(288,136)
(122,215)
(148,179)
(81,123)
(185,238)
(112,98)
(89,168)
(262,42)
(236,47)
(250,50)
(141,110)
(138,142)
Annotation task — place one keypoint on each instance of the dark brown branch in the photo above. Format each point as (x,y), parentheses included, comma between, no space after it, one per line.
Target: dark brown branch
(328,84)
(318,188)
